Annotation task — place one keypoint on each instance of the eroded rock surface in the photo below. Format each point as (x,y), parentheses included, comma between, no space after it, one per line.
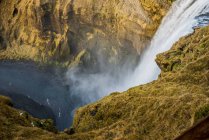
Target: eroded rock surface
(78,30)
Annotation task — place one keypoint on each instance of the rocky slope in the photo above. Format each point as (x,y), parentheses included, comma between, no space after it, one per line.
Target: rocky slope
(162,109)
(78,31)
(16,124)
(197,132)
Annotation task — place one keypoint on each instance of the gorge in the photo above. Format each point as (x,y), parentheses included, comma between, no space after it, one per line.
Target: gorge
(91,50)
(183,17)
(96,71)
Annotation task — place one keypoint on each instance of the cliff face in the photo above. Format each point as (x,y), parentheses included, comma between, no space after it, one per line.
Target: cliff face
(162,109)
(13,123)
(77,30)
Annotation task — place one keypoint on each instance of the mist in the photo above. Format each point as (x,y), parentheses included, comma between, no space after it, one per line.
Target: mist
(181,20)
(46,90)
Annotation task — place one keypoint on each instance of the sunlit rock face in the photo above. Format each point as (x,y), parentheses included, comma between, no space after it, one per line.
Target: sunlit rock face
(76,30)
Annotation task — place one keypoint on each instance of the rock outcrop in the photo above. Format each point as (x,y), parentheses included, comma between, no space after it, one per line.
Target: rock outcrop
(16,124)
(78,31)
(162,109)
(159,110)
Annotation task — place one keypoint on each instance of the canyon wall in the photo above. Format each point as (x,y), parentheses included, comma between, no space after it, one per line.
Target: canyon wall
(78,31)
(159,110)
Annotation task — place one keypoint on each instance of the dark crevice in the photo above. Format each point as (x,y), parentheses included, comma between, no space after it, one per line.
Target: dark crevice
(46,22)
(2,43)
(72,41)
(1,40)
(47,18)
(15,12)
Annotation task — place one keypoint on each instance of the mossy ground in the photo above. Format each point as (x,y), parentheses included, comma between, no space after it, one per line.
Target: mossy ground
(16,124)
(162,109)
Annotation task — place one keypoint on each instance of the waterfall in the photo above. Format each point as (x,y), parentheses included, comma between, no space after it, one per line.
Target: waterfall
(183,17)
(41,91)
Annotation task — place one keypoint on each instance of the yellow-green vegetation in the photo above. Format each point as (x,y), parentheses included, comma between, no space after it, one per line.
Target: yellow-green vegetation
(159,110)
(16,124)
(57,32)
(202,113)
(162,109)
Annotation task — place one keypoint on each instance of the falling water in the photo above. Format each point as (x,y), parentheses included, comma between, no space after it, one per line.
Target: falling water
(184,16)
(43,90)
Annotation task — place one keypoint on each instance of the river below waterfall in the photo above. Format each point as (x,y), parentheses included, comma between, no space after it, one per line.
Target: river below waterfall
(39,91)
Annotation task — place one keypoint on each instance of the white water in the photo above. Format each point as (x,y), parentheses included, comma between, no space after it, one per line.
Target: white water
(180,21)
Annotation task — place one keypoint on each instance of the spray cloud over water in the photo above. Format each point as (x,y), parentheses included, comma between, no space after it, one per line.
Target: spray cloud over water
(184,16)
(44,89)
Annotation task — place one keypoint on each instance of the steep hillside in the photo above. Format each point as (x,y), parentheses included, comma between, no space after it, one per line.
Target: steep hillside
(162,109)
(197,132)
(16,124)
(70,31)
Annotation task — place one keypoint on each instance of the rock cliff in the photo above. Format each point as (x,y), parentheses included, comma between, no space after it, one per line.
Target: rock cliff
(162,109)
(159,110)
(74,31)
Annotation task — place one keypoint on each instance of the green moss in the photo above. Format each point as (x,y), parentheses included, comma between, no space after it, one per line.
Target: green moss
(202,113)
(16,124)
(46,125)
(162,109)
(5,100)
